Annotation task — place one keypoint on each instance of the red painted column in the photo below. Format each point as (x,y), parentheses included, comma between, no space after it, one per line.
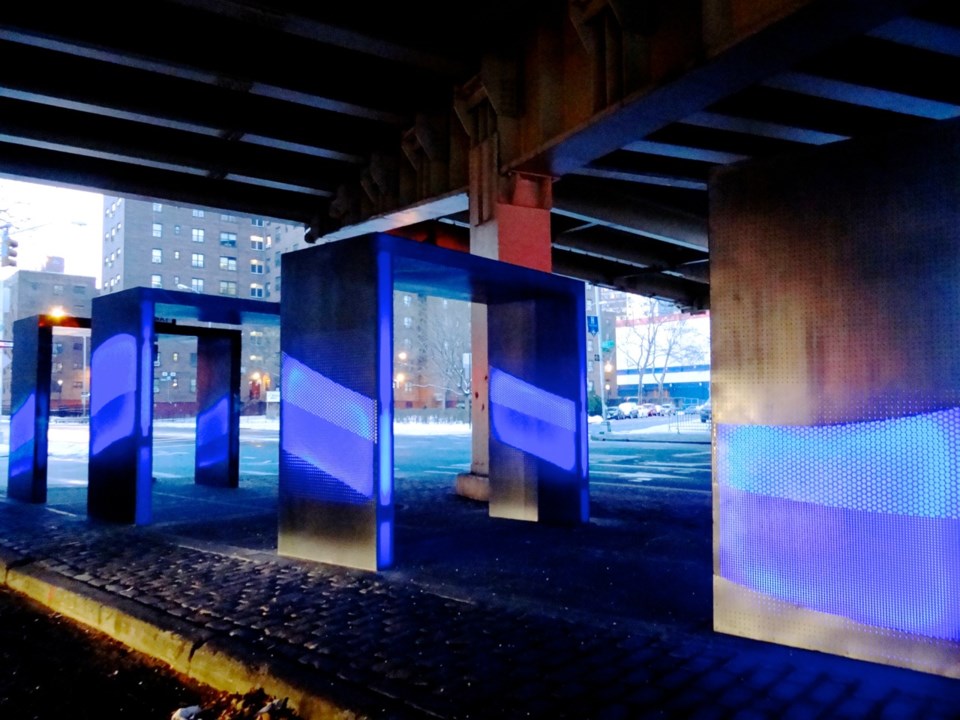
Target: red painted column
(509,221)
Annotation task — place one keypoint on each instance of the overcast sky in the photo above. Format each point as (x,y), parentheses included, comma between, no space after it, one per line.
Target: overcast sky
(64,222)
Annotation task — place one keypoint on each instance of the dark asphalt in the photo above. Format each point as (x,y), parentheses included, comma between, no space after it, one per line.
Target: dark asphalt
(480,618)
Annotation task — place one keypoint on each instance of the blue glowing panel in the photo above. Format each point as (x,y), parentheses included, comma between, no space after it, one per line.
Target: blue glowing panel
(860,520)
(113,408)
(212,425)
(533,420)
(327,435)
(23,438)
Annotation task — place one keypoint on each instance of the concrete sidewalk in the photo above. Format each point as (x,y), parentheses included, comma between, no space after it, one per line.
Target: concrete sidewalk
(669,431)
(480,618)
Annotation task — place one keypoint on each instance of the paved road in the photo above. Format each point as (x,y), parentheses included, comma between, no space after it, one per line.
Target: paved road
(649,464)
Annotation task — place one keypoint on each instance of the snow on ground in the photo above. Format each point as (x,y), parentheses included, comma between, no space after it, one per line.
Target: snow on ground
(68,439)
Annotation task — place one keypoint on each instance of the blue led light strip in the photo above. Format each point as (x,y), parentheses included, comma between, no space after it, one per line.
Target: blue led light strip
(328,433)
(860,520)
(533,420)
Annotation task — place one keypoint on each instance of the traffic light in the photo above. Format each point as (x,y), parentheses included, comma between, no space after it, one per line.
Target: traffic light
(8,247)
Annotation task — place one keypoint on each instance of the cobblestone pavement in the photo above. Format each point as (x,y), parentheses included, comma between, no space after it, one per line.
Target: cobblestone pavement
(481,618)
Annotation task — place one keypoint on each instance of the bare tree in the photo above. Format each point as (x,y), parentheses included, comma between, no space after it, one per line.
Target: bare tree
(641,344)
(437,352)
(680,345)
(446,339)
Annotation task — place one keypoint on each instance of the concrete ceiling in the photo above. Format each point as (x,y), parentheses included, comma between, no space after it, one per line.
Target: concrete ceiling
(360,115)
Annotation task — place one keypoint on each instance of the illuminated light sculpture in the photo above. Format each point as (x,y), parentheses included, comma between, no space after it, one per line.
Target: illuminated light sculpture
(336,410)
(124,328)
(30,404)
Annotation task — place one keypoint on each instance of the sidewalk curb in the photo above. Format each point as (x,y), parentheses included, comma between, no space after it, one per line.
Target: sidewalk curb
(652,437)
(199,654)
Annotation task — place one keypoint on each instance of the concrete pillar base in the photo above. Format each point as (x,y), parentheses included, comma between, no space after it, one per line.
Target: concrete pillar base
(473,486)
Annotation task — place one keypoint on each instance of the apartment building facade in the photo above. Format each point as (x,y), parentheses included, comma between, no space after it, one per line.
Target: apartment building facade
(151,243)
(35,292)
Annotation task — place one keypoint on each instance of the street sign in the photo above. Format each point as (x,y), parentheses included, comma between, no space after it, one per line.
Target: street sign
(593,324)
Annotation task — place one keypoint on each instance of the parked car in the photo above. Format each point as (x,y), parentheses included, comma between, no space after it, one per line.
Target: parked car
(667,409)
(646,410)
(706,413)
(627,409)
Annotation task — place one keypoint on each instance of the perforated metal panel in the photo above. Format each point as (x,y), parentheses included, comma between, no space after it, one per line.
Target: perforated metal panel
(836,400)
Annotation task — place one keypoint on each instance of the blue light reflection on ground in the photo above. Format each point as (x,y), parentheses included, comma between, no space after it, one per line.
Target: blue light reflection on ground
(329,428)
(860,520)
(533,420)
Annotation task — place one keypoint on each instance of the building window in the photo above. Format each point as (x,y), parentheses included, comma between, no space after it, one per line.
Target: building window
(175,356)
(157,207)
(156,256)
(57,348)
(156,281)
(228,218)
(196,284)
(228,239)
(176,281)
(196,260)
(256,267)
(156,388)
(57,367)
(176,229)
(228,287)
(197,212)
(193,385)
(256,338)
(228,263)
(408,322)
(157,230)
(407,300)
(256,290)
(58,289)
(256,221)
(197,234)
(77,384)
(176,254)
(79,289)
(256,242)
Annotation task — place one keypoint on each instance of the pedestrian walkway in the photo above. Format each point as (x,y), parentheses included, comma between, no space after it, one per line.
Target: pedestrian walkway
(480,618)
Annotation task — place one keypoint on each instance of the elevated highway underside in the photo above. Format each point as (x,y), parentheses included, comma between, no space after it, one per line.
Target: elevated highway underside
(365,115)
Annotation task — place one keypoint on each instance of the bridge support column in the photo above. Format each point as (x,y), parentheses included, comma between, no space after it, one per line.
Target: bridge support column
(836,399)
(509,221)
